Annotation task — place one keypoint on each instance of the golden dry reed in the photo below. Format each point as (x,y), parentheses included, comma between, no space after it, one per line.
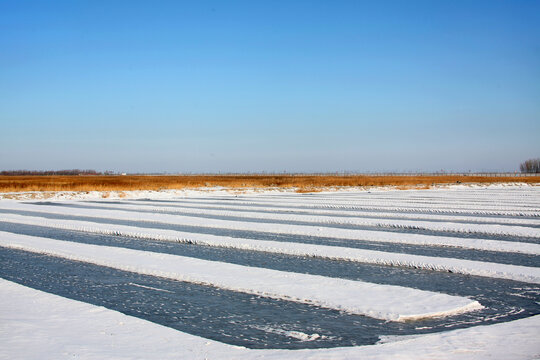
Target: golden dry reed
(303,183)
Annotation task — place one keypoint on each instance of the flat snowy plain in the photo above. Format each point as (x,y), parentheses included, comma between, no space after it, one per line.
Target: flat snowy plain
(443,273)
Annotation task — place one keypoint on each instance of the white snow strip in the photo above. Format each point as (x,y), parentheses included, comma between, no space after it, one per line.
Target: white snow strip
(449,198)
(497,210)
(508,230)
(188,207)
(450,202)
(498,198)
(386,302)
(38,325)
(447,203)
(320,231)
(479,268)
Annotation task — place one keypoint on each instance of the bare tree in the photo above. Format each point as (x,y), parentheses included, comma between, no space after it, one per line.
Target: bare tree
(530,166)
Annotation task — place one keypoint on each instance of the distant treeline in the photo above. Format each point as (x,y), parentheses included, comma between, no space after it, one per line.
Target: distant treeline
(531,166)
(49,172)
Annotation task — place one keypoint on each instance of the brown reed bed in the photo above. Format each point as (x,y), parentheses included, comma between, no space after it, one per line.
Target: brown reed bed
(303,183)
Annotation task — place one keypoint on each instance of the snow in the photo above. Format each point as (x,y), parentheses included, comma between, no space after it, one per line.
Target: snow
(316,231)
(298,335)
(435,201)
(34,324)
(38,325)
(399,200)
(179,206)
(479,268)
(384,302)
(505,229)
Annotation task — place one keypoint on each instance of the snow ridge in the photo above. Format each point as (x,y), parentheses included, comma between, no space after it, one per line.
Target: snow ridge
(386,302)
(503,271)
(320,231)
(509,212)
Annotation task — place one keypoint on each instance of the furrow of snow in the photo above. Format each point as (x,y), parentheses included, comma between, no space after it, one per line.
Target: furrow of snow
(38,325)
(313,201)
(324,232)
(468,267)
(357,206)
(494,197)
(386,302)
(491,200)
(487,229)
(157,206)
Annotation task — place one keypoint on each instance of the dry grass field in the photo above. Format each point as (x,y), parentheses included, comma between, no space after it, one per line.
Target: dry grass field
(303,183)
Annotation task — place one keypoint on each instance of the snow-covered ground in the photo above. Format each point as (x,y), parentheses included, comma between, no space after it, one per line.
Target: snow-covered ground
(500,219)
(37,325)
(379,301)
(293,229)
(469,267)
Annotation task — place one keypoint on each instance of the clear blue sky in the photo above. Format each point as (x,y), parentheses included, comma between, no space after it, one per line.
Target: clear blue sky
(209,86)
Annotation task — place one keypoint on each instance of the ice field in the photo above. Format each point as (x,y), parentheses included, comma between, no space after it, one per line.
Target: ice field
(447,273)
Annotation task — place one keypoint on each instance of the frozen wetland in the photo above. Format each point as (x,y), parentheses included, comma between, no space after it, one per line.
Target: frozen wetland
(447,273)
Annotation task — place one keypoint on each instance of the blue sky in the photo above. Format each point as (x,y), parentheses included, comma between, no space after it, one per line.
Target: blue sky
(246,86)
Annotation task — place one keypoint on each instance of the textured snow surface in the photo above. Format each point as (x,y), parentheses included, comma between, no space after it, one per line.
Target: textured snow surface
(502,271)
(501,218)
(306,230)
(37,325)
(417,223)
(180,207)
(356,297)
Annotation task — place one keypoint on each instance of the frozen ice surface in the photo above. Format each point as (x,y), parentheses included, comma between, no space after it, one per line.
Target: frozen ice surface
(34,324)
(37,325)
(385,302)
